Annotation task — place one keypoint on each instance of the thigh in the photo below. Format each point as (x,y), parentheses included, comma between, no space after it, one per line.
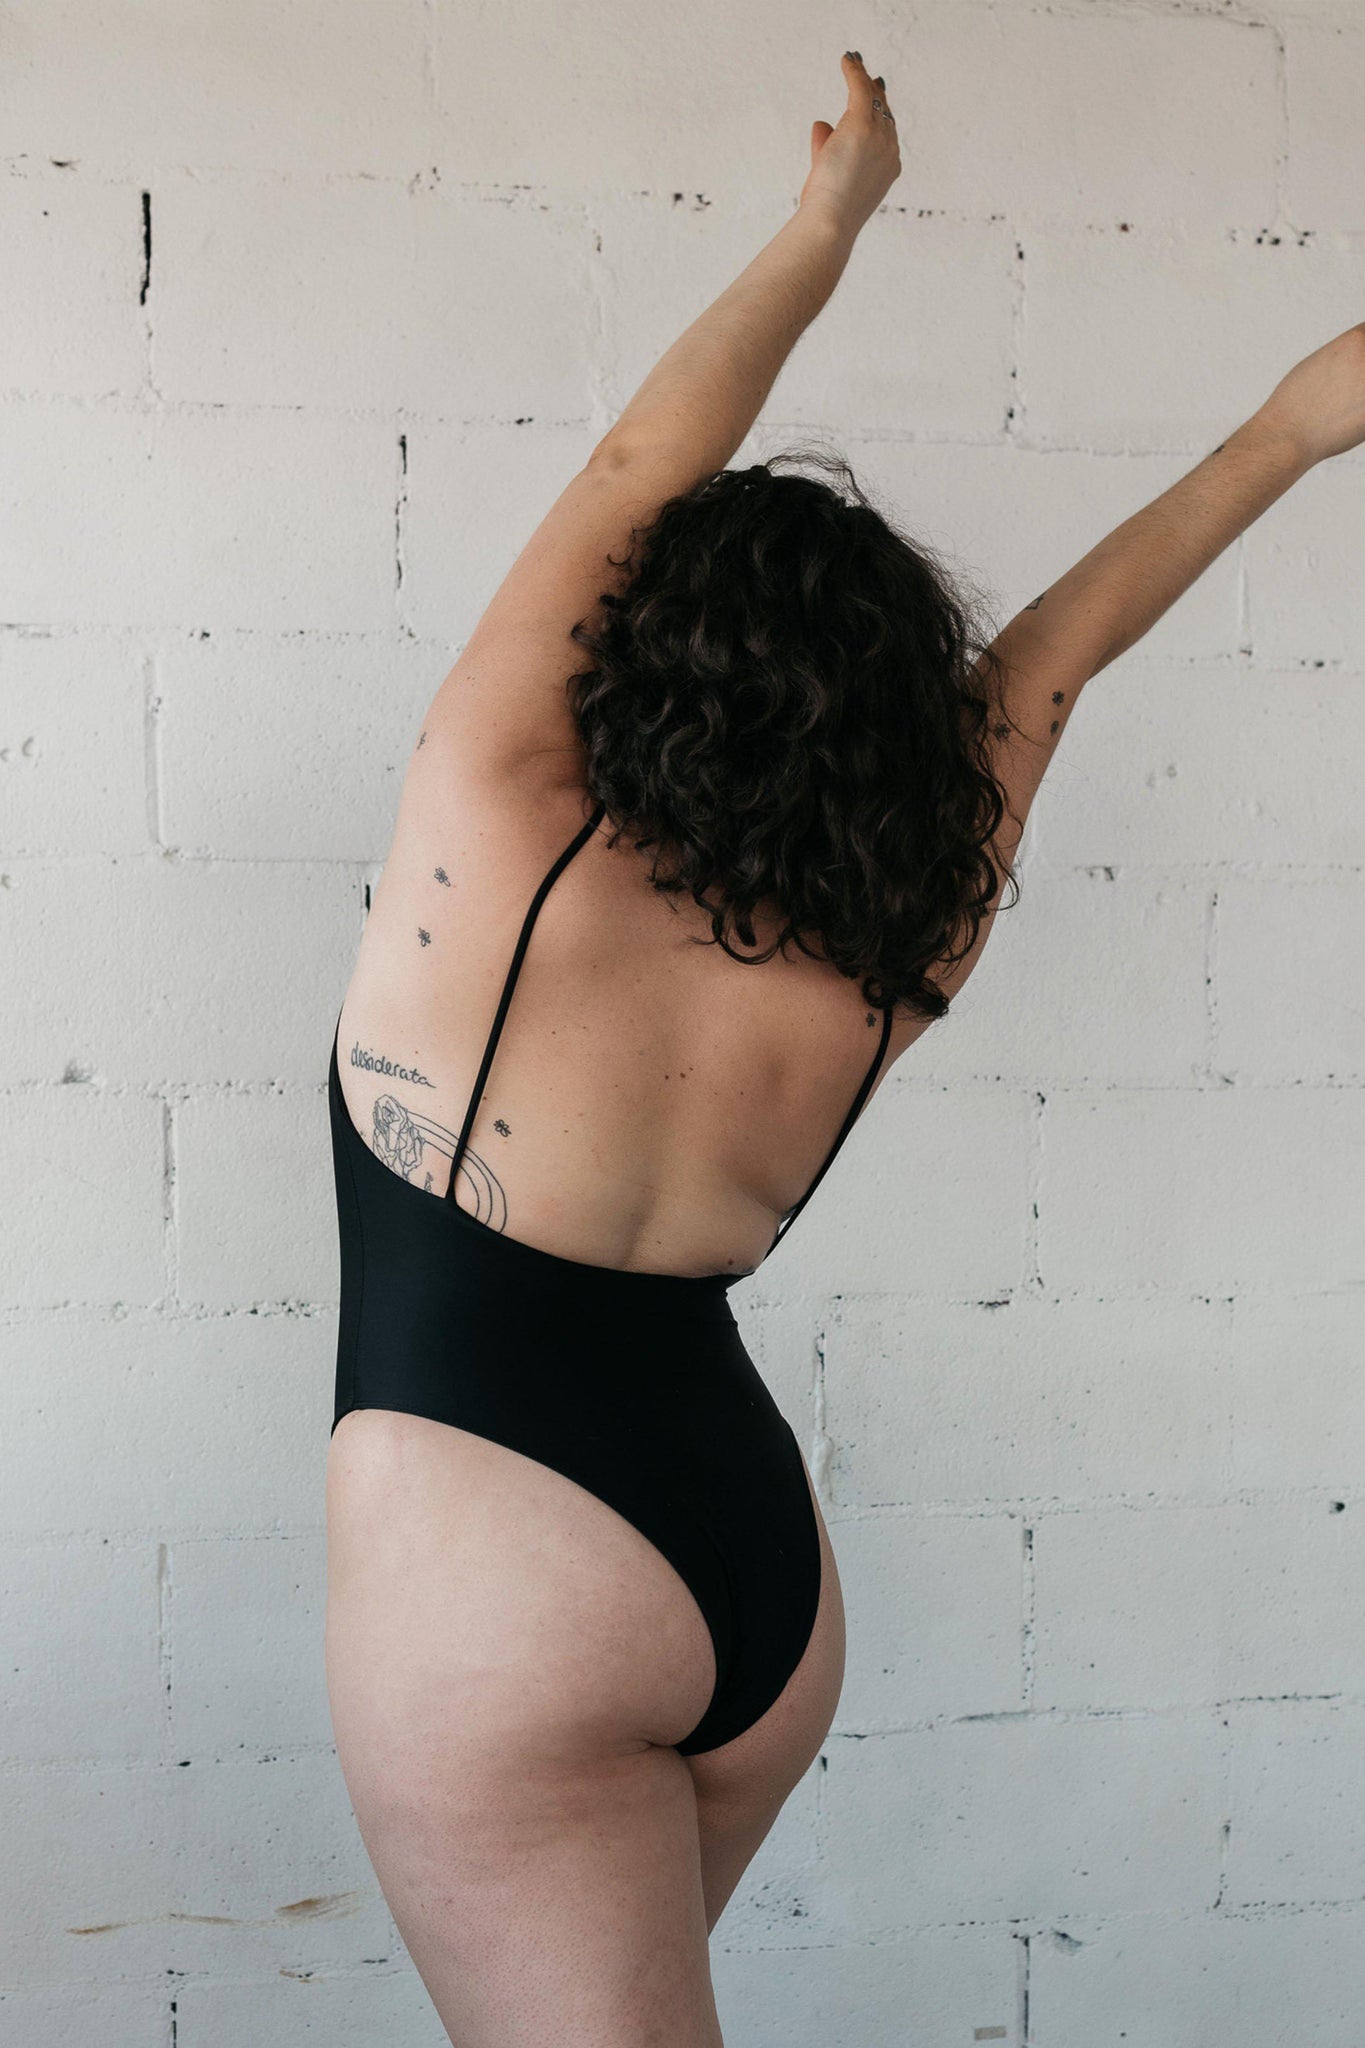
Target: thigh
(742,1786)
(508,1664)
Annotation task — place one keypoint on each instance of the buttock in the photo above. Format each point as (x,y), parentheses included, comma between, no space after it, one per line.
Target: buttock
(687,1446)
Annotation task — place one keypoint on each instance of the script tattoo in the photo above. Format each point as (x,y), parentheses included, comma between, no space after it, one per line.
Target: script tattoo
(380,1063)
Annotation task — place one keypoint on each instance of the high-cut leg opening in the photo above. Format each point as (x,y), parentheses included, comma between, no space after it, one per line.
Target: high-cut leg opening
(690,1548)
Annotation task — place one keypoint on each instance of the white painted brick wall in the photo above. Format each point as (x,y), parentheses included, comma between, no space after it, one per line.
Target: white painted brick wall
(1073,1336)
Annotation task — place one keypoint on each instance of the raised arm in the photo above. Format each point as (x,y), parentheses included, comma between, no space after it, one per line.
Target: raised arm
(503,705)
(1117,592)
(703,396)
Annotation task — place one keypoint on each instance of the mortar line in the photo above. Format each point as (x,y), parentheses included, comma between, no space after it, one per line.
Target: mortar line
(820,1447)
(429,59)
(163,1628)
(1028,1636)
(151,751)
(1208,1072)
(399,505)
(1225,1831)
(1281,171)
(169,1244)
(1032,1286)
(1025,1993)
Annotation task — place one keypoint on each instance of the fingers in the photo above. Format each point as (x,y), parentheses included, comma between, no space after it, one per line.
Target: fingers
(869,92)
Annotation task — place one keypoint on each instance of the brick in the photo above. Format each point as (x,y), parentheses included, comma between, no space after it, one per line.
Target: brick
(1122,1621)
(1008,521)
(153,971)
(246,1645)
(1143,340)
(385,2002)
(1191,1189)
(70,322)
(948,1984)
(290,749)
(934,1618)
(1256,1978)
(116,2015)
(903,1209)
(1290,988)
(1164,766)
(255,1203)
(473,498)
(1325,80)
(1298,1777)
(273,519)
(91,1608)
(1022,1818)
(1092,117)
(1085,979)
(140,1426)
(857,367)
(71,719)
(1305,601)
(192,1869)
(1029,1400)
(89,1229)
(1298,1393)
(329,88)
(372,295)
(598,114)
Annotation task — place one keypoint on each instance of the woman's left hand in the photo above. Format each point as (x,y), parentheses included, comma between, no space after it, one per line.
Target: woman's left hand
(854,166)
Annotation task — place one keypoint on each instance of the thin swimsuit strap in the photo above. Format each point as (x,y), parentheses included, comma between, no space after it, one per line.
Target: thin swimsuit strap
(580,840)
(855,1111)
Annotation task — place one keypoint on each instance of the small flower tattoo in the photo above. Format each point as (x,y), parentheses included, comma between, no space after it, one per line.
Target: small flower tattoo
(425,937)
(504,1130)
(443,878)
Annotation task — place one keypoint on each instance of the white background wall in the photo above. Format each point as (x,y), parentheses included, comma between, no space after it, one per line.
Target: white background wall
(1073,1334)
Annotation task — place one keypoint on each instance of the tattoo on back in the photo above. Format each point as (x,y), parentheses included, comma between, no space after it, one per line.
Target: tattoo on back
(412,1146)
(380,1063)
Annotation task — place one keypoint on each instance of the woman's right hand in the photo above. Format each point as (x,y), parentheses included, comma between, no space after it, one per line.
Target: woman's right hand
(1321,403)
(854,166)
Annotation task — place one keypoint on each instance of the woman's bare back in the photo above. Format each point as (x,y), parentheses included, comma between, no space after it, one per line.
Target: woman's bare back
(654,1104)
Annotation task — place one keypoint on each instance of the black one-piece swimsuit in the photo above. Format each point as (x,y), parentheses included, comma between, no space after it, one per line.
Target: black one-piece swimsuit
(635,1385)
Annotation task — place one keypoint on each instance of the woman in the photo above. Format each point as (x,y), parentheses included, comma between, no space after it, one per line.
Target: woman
(705,826)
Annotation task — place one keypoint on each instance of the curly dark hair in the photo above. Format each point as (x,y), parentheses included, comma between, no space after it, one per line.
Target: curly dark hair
(791,704)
